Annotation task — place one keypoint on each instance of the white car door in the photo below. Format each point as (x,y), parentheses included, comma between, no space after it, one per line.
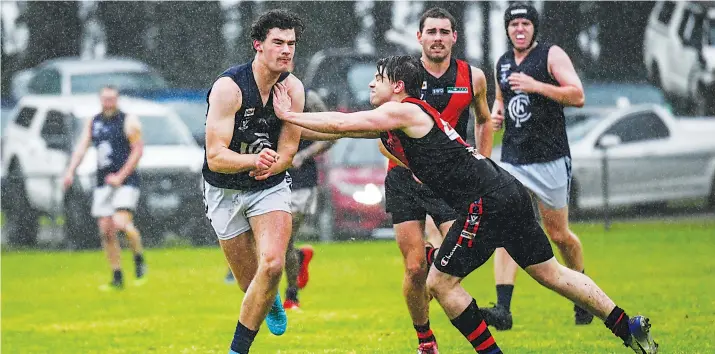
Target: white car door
(56,136)
(634,168)
(684,57)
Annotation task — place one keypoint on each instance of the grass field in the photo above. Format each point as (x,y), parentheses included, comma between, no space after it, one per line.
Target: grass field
(353,303)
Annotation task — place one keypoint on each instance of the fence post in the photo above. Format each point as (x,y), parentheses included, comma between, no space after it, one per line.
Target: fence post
(604,187)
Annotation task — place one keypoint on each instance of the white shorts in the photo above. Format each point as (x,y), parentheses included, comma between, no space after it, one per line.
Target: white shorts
(106,200)
(228,210)
(549,181)
(304,201)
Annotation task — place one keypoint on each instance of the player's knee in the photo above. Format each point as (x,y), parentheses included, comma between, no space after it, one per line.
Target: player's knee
(105,226)
(559,234)
(121,222)
(272,266)
(416,271)
(435,284)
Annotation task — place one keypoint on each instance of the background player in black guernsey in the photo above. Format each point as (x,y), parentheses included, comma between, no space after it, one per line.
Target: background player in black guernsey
(494,208)
(452,87)
(248,150)
(534,81)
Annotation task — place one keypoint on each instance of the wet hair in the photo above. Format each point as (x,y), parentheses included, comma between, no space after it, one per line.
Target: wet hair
(405,68)
(437,12)
(281,19)
(521,10)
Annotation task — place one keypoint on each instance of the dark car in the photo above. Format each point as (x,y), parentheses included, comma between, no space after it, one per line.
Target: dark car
(341,77)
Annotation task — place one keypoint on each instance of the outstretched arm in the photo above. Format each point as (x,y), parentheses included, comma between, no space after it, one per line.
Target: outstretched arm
(383,118)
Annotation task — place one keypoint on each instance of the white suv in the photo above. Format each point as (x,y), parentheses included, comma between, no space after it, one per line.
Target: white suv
(679,53)
(37,145)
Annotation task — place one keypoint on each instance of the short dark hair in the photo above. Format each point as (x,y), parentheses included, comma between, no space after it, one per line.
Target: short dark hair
(279,18)
(405,68)
(437,12)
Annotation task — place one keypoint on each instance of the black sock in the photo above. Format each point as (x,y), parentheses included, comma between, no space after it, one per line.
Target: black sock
(242,339)
(431,252)
(472,326)
(117,277)
(292,293)
(139,259)
(424,333)
(504,292)
(617,322)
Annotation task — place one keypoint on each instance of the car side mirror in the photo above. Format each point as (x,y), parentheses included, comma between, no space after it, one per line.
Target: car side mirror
(608,141)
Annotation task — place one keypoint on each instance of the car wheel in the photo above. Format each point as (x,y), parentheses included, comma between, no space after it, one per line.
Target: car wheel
(21,220)
(81,230)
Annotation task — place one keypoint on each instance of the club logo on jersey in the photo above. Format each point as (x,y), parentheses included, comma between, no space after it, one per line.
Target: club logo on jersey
(520,109)
(457,89)
(424,85)
(438,91)
(243,126)
(249,112)
(257,145)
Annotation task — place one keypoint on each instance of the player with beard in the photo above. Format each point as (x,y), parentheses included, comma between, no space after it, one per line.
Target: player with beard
(451,86)
(494,208)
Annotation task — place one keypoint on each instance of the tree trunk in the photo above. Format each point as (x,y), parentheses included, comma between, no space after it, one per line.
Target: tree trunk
(46,41)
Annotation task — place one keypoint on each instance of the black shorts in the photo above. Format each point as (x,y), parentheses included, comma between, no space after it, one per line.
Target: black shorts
(502,218)
(407,199)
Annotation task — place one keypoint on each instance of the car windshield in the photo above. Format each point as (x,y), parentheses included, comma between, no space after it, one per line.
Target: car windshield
(356,153)
(137,80)
(580,123)
(156,130)
(193,114)
(608,95)
(359,77)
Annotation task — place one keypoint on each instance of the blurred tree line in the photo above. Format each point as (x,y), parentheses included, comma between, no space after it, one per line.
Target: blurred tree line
(185,40)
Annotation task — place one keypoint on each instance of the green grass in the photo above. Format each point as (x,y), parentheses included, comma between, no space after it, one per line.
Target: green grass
(353,304)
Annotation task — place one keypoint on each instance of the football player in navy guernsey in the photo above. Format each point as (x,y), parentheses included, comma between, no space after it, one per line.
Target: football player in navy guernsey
(117,138)
(494,208)
(534,81)
(248,150)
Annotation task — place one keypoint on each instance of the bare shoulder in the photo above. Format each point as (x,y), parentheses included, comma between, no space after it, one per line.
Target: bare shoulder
(132,121)
(557,53)
(225,92)
(294,83)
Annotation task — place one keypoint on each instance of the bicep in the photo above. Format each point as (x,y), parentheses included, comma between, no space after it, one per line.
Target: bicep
(562,69)
(224,102)
(479,101)
(389,116)
(133,129)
